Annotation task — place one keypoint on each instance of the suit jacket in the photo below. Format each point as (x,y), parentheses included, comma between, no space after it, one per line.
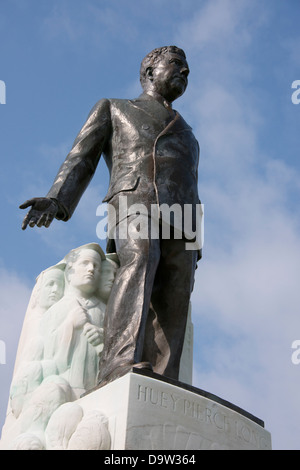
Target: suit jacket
(150,151)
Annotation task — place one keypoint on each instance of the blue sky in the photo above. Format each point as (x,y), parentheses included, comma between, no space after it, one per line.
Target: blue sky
(58,58)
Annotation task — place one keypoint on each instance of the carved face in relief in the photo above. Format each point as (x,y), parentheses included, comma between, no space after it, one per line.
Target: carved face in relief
(85,271)
(107,279)
(52,288)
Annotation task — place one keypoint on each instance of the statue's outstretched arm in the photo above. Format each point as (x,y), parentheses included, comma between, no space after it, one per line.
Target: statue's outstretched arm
(75,173)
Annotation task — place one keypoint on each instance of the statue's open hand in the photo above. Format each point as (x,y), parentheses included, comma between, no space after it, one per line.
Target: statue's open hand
(42,212)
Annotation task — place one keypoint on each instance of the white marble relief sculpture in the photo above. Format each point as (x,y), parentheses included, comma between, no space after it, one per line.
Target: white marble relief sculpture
(72,428)
(60,344)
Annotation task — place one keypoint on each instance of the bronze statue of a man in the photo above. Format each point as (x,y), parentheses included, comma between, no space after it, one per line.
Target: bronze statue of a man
(152,156)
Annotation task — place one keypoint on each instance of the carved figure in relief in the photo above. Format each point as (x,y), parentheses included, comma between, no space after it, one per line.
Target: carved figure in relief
(73,328)
(30,366)
(49,288)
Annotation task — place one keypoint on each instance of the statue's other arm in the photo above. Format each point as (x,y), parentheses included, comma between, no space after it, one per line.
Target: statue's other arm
(75,173)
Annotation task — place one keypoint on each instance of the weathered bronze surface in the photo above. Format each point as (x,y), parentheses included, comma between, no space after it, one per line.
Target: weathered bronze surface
(152,156)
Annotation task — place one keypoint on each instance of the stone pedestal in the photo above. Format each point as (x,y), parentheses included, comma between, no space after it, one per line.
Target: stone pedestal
(148,412)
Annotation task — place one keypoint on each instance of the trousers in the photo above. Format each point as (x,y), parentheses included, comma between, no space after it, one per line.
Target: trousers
(147,310)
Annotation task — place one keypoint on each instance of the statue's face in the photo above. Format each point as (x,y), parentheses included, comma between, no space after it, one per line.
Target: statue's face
(107,279)
(170,76)
(52,288)
(86,271)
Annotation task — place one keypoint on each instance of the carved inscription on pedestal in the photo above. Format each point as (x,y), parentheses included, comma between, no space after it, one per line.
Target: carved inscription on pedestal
(199,422)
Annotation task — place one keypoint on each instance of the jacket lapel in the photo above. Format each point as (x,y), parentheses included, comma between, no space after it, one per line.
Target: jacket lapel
(165,121)
(152,109)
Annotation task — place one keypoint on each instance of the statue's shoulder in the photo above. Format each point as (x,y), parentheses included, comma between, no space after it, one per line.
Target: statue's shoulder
(119,103)
(102,105)
(107,105)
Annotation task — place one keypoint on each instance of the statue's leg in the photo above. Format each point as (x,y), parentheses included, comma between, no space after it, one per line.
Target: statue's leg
(128,306)
(169,307)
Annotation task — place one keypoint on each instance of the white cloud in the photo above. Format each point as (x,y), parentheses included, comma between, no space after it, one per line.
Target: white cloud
(62,24)
(91,23)
(215,22)
(14,293)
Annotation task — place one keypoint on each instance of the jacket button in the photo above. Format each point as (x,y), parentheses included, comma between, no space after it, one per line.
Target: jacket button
(145,127)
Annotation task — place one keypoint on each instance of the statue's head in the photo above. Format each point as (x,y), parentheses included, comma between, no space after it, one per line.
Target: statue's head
(83,268)
(164,71)
(108,273)
(50,286)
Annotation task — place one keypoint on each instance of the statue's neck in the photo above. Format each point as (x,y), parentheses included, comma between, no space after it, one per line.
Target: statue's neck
(156,96)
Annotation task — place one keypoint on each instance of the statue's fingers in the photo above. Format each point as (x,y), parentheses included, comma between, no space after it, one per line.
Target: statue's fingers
(48,220)
(92,336)
(34,217)
(32,222)
(41,221)
(26,204)
(88,327)
(26,221)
